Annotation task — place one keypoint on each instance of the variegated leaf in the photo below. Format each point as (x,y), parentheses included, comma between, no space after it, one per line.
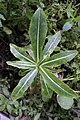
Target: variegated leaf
(20,53)
(21,64)
(46,91)
(60,58)
(52,43)
(56,84)
(37,32)
(23,84)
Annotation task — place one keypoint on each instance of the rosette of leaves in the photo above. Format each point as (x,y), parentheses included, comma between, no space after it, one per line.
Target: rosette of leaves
(39,60)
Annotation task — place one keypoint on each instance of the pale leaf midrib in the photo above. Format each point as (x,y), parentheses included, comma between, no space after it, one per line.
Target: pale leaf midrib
(38,37)
(21,55)
(53,37)
(57,59)
(21,64)
(52,44)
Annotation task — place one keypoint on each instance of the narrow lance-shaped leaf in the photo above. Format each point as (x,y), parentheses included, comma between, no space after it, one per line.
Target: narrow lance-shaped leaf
(37,32)
(23,84)
(20,53)
(21,64)
(52,43)
(56,84)
(60,58)
(46,91)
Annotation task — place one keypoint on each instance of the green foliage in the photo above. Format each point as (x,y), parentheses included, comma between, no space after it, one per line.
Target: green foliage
(14,19)
(15,109)
(2,102)
(41,61)
(72,19)
(62,100)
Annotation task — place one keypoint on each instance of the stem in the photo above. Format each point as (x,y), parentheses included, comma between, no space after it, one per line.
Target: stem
(76,5)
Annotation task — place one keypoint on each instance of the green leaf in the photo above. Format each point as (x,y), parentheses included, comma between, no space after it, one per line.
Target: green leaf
(52,119)
(67,26)
(20,53)
(2,17)
(16,104)
(69,10)
(60,58)
(21,64)
(23,84)
(7,30)
(76,118)
(46,91)
(23,72)
(77,19)
(9,108)
(2,107)
(56,84)
(37,32)
(52,43)
(65,102)
(2,98)
(5,91)
(29,12)
(37,116)
(1,24)
(2,102)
